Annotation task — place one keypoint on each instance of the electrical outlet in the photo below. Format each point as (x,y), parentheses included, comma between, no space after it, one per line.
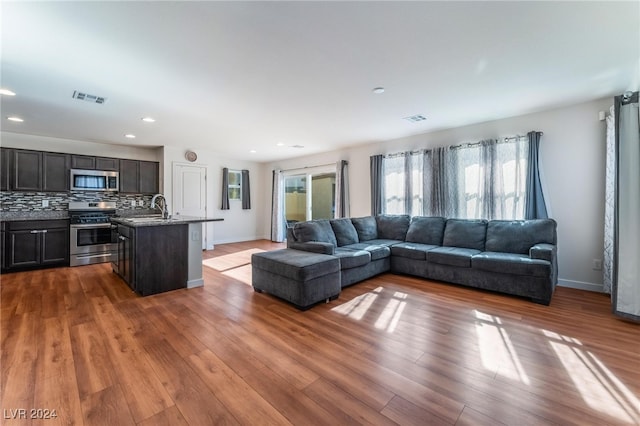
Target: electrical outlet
(45,203)
(133,203)
(597,264)
(140,203)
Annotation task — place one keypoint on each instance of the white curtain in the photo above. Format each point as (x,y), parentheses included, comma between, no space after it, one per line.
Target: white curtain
(488,180)
(278,227)
(626,281)
(609,204)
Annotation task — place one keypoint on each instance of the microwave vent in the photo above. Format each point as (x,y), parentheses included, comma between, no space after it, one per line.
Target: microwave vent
(81,96)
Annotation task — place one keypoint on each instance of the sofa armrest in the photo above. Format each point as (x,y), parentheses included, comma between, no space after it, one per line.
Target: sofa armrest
(312,246)
(543,251)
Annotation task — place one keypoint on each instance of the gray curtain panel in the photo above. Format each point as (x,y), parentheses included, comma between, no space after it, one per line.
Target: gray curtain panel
(225,189)
(246,190)
(434,182)
(377,184)
(534,205)
(342,189)
(626,286)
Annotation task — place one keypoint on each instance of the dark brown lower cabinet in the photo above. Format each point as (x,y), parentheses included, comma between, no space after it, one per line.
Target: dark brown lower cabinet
(35,244)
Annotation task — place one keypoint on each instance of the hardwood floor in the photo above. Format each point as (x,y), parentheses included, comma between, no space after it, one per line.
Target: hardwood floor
(391,350)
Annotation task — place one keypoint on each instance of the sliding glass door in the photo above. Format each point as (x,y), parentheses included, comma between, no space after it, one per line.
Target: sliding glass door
(309,196)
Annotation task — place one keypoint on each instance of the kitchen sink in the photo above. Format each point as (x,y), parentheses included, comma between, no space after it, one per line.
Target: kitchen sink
(139,219)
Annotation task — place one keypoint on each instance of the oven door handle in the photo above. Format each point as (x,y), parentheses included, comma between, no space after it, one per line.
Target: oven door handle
(90,225)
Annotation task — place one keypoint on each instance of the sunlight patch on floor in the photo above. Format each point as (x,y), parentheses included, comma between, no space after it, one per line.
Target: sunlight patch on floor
(357,307)
(241,273)
(496,348)
(598,386)
(388,319)
(230,261)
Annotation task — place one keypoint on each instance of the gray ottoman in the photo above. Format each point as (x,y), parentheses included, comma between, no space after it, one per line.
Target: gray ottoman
(300,277)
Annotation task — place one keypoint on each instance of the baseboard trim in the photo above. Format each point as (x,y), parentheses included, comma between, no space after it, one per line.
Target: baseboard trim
(581,285)
(236,240)
(199,282)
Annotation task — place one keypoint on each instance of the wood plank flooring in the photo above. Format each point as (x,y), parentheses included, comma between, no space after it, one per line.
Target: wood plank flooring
(391,350)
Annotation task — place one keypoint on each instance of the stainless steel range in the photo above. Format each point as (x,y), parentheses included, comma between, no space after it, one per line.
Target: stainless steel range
(92,239)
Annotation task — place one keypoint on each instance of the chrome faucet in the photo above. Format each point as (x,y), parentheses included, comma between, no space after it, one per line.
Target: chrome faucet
(163,206)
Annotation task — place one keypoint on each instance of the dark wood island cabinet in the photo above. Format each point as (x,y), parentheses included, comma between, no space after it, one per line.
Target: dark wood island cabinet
(152,259)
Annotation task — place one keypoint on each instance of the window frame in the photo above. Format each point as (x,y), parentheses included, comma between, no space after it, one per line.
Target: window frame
(233,187)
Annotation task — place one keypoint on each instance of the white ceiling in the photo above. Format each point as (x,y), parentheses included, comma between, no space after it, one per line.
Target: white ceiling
(232,77)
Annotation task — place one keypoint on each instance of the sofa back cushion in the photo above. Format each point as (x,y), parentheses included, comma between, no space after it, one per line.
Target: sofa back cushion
(366,227)
(426,230)
(314,230)
(344,231)
(393,227)
(518,236)
(465,233)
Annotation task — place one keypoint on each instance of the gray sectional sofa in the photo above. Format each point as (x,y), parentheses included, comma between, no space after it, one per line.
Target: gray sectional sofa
(516,257)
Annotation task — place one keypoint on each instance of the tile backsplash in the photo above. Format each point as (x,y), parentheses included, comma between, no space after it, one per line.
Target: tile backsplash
(59,201)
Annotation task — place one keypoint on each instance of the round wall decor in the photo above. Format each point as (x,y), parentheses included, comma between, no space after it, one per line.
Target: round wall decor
(191,156)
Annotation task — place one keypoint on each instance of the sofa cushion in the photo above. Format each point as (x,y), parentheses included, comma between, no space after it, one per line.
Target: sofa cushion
(414,251)
(314,230)
(377,251)
(518,236)
(511,263)
(352,258)
(295,264)
(453,256)
(465,233)
(344,231)
(426,230)
(366,227)
(393,227)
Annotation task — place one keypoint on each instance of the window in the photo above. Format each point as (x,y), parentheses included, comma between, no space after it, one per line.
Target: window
(235,185)
(483,180)
(310,195)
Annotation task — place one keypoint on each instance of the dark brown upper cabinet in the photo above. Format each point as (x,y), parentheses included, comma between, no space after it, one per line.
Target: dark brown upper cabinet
(139,177)
(55,171)
(26,170)
(88,162)
(5,169)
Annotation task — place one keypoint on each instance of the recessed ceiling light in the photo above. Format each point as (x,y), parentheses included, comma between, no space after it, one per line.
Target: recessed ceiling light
(280,144)
(148,120)
(378,90)
(7,92)
(130,136)
(14,118)
(253,151)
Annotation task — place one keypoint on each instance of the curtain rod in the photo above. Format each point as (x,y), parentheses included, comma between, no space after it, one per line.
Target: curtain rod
(464,145)
(308,167)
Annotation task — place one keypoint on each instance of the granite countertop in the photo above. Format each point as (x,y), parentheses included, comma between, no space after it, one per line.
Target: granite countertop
(38,215)
(157,220)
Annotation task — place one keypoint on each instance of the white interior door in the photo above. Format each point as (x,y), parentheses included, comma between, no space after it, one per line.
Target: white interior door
(190,193)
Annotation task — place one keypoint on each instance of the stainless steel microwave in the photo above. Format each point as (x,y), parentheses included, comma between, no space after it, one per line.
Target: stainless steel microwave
(94,180)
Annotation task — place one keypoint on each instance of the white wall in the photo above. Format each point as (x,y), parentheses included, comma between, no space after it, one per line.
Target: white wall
(238,224)
(45,143)
(572,155)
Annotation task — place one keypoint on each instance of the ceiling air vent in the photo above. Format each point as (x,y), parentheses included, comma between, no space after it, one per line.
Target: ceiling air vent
(415,118)
(296,146)
(88,98)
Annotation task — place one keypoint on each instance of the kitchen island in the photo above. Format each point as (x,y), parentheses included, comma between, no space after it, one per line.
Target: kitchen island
(157,255)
